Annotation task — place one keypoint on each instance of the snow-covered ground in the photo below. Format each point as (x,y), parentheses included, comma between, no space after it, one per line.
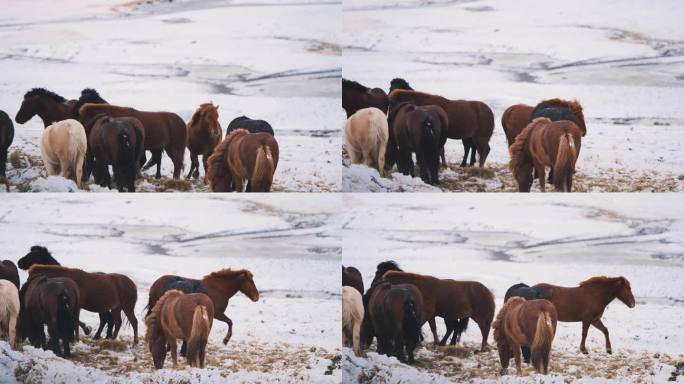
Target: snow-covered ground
(501,240)
(269,60)
(622,60)
(290,243)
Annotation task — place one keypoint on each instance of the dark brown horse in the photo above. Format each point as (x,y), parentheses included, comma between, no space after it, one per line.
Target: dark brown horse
(421,130)
(6,138)
(204,134)
(8,271)
(356,96)
(49,106)
(119,142)
(525,323)
(587,302)
(54,302)
(399,83)
(352,277)
(163,131)
(100,293)
(395,312)
(243,156)
(470,121)
(179,316)
(451,300)
(220,286)
(542,144)
(518,116)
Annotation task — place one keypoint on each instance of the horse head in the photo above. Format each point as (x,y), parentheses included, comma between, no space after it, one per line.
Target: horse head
(37,255)
(247,286)
(28,109)
(624,291)
(383,267)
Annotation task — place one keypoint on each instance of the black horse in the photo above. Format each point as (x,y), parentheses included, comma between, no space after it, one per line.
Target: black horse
(88,95)
(6,138)
(529,293)
(253,126)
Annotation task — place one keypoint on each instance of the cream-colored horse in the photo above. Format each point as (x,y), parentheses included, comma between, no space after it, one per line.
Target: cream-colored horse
(63,146)
(9,311)
(366,134)
(352,316)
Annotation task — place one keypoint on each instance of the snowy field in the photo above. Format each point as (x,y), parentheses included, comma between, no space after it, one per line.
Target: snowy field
(293,249)
(621,59)
(275,61)
(501,240)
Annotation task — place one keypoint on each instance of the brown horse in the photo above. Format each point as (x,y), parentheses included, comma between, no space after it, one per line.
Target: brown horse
(163,131)
(356,96)
(470,121)
(525,323)
(243,155)
(451,300)
(587,302)
(6,138)
(542,144)
(179,316)
(100,292)
(352,277)
(54,302)
(49,106)
(220,286)
(204,134)
(8,271)
(518,116)
(119,142)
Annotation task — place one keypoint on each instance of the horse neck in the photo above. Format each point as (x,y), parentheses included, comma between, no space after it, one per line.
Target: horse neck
(220,290)
(51,111)
(605,293)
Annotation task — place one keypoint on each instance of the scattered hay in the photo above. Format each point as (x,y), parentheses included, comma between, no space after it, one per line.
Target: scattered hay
(483,173)
(15,159)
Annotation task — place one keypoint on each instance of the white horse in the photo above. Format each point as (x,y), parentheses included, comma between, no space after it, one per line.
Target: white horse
(9,311)
(63,146)
(352,316)
(366,133)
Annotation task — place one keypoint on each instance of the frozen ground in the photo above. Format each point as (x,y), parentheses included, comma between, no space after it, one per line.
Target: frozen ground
(275,61)
(622,60)
(502,240)
(291,334)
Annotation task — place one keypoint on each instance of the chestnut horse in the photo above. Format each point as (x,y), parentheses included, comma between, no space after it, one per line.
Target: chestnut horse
(352,277)
(6,138)
(366,135)
(204,134)
(163,131)
(220,286)
(587,302)
(352,317)
(49,106)
(9,272)
(63,148)
(100,292)
(356,96)
(470,121)
(525,291)
(252,125)
(518,116)
(243,156)
(452,300)
(542,144)
(525,323)
(179,316)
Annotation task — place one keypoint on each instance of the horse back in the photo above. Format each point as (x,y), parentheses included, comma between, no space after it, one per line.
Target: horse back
(515,119)
(571,303)
(248,147)
(458,299)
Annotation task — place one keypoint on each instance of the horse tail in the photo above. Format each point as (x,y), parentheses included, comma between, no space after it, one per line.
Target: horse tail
(264,168)
(541,345)
(411,331)
(199,334)
(461,326)
(65,317)
(218,174)
(379,129)
(124,156)
(565,163)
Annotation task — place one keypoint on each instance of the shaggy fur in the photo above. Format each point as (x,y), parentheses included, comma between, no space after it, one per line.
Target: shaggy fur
(204,134)
(63,146)
(9,311)
(573,105)
(352,316)
(366,133)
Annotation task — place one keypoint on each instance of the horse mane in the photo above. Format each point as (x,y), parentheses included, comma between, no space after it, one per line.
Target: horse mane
(400,83)
(227,272)
(44,92)
(354,85)
(573,105)
(204,107)
(517,148)
(497,325)
(388,265)
(92,95)
(217,167)
(394,95)
(603,280)
(153,319)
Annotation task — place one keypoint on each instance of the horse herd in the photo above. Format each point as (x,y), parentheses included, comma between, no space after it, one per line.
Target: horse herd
(398,303)
(383,130)
(178,308)
(88,135)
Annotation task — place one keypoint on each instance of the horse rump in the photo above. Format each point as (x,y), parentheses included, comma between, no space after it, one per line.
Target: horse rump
(541,345)
(197,342)
(564,166)
(264,168)
(66,324)
(411,327)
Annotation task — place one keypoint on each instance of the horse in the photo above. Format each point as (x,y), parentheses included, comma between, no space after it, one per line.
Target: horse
(55,302)
(119,142)
(542,144)
(88,95)
(356,96)
(253,126)
(366,134)
(352,277)
(243,156)
(63,147)
(100,293)
(399,83)
(514,119)
(9,311)
(49,106)
(587,302)
(204,134)
(163,131)
(525,291)
(395,312)
(220,286)
(469,121)
(6,138)
(419,129)
(179,316)
(8,271)
(452,300)
(352,317)
(525,323)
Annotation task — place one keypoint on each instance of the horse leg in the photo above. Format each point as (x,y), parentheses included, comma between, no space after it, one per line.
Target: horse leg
(130,315)
(411,165)
(441,154)
(116,316)
(542,177)
(103,322)
(422,168)
(551,176)
(585,330)
(86,329)
(399,346)
(472,157)
(79,171)
(504,358)
(225,319)
(194,164)
(12,324)
(433,329)
(516,354)
(524,178)
(526,353)
(184,349)
(482,147)
(449,328)
(174,346)
(485,325)
(466,149)
(599,324)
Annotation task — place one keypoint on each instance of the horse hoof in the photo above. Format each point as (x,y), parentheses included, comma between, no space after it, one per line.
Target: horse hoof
(610,351)
(87,330)
(584,351)
(225,340)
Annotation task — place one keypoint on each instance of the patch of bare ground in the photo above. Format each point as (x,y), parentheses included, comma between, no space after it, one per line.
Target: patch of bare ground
(325,48)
